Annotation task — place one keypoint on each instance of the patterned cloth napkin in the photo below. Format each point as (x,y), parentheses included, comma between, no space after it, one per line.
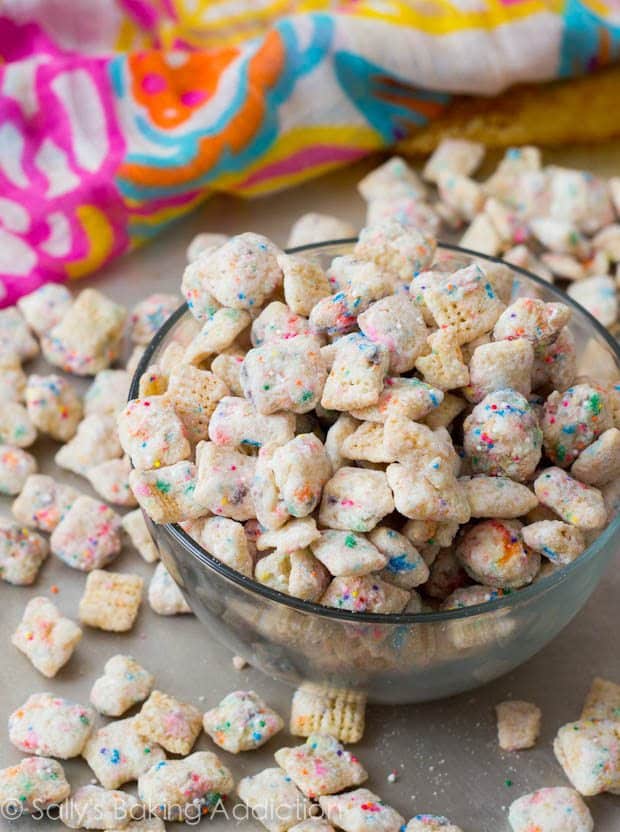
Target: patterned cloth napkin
(118,116)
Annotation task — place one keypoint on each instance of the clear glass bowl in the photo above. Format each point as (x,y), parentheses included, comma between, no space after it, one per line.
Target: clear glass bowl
(394,658)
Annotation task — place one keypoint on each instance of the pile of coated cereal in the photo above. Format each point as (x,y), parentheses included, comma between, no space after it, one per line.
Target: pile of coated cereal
(394,433)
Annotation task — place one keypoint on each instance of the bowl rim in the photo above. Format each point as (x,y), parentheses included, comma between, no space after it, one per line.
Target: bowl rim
(512,597)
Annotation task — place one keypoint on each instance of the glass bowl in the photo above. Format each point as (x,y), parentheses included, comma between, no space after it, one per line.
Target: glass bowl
(402,658)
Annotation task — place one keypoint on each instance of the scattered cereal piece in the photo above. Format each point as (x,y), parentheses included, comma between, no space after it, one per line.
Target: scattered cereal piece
(531,318)
(458,156)
(556,364)
(574,502)
(305,283)
(21,554)
(365,593)
(274,800)
(395,248)
(165,596)
(497,497)
(50,726)
(278,321)
(110,480)
(557,541)
(602,701)
(88,536)
(108,393)
(226,540)
(394,177)
(502,436)
(135,525)
(550,810)
(53,406)
(492,552)
(185,790)
(45,307)
(117,753)
(168,494)
(16,427)
(218,332)
(499,365)
(308,578)
(482,236)
(572,420)
(346,554)
(356,499)
(16,340)
(518,724)
(241,722)
(405,567)
(313,228)
(407,397)
(274,571)
(599,463)
(589,753)
(445,413)
(151,314)
(321,766)
(361,811)
(124,683)
(239,663)
(425,488)
(152,434)
(319,709)
(296,534)
(88,337)
(396,323)
(224,481)
(235,423)
(43,502)
(172,724)
(284,375)
(16,466)
(300,469)
(31,786)
(45,637)
(227,367)
(443,366)
(111,600)
(462,195)
(91,807)
(95,441)
(244,271)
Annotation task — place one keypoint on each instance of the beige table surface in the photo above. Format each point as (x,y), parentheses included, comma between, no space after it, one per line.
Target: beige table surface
(445,753)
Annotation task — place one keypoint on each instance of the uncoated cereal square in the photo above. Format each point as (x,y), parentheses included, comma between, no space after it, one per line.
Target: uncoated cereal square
(111,600)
